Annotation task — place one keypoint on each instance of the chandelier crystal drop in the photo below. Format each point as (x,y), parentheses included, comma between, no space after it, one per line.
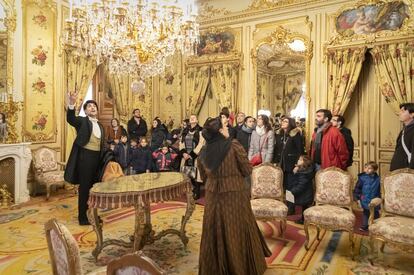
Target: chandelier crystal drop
(133,36)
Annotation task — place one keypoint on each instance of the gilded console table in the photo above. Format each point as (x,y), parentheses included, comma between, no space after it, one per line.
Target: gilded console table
(139,191)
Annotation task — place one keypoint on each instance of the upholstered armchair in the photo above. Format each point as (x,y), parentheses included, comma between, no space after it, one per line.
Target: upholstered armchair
(333,204)
(267,197)
(46,169)
(64,250)
(136,263)
(396,223)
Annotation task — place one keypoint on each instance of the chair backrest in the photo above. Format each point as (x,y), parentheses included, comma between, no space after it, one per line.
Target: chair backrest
(398,192)
(334,187)
(63,249)
(135,263)
(45,158)
(267,182)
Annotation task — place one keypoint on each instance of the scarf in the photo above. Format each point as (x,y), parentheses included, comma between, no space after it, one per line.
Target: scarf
(260,130)
(247,129)
(96,130)
(215,151)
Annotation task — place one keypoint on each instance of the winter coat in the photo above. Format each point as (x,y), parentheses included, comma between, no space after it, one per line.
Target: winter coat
(231,172)
(137,131)
(244,138)
(232,132)
(349,144)
(164,162)
(333,148)
(121,152)
(287,154)
(111,135)
(301,186)
(140,159)
(367,188)
(266,141)
(83,128)
(157,138)
(400,158)
(199,142)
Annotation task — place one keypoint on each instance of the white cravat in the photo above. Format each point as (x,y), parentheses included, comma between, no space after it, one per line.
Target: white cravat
(96,130)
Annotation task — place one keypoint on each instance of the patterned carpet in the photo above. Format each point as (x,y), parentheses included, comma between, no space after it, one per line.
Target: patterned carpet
(23,248)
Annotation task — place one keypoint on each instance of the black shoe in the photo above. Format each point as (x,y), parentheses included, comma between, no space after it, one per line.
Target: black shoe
(363,229)
(84,222)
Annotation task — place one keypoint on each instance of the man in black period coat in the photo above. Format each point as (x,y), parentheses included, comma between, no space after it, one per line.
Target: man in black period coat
(87,150)
(403,157)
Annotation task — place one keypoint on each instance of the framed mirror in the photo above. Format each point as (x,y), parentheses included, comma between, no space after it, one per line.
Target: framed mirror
(3,51)
(8,108)
(281,62)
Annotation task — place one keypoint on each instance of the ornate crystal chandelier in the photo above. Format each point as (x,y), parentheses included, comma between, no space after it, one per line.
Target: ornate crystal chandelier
(133,36)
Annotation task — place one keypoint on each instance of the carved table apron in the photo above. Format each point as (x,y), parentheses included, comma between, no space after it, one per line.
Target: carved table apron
(139,191)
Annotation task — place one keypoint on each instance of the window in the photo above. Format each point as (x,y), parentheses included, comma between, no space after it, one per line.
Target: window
(88,96)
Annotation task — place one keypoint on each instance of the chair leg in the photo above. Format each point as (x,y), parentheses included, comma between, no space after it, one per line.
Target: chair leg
(318,231)
(306,225)
(372,249)
(351,240)
(47,192)
(283,228)
(382,247)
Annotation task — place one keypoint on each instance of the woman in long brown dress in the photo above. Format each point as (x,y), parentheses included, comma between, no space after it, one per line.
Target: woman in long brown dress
(231,242)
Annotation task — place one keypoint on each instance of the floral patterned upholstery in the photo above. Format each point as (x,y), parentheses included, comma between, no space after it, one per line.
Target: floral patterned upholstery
(134,264)
(399,194)
(267,182)
(46,169)
(397,229)
(330,216)
(269,208)
(66,261)
(45,159)
(333,187)
(59,253)
(131,270)
(53,177)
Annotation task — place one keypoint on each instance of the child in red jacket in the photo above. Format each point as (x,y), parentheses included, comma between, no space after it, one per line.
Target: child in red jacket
(164,158)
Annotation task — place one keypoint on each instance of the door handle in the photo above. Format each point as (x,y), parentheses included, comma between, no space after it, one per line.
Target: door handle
(365,143)
(373,143)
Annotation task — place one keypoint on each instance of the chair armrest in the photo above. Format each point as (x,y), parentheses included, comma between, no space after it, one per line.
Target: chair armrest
(61,163)
(38,169)
(374,203)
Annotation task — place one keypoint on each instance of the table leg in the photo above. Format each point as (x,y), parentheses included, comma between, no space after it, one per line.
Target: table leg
(139,226)
(97,227)
(188,212)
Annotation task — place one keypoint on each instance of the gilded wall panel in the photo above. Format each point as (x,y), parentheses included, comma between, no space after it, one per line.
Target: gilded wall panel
(3,62)
(389,125)
(39,25)
(144,102)
(170,93)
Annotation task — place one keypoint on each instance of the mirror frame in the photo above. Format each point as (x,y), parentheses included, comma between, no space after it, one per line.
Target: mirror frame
(10,23)
(11,108)
(282,36)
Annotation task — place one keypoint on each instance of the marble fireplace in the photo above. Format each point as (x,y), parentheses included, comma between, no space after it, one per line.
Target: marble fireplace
(22,156)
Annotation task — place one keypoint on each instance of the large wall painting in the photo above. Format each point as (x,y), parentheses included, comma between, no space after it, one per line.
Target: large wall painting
(216,42)
(39,118)
(372,18)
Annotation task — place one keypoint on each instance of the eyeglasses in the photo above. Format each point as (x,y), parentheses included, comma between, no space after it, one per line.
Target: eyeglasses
(285,121)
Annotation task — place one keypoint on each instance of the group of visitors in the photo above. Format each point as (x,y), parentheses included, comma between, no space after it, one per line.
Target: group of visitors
(221,156)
